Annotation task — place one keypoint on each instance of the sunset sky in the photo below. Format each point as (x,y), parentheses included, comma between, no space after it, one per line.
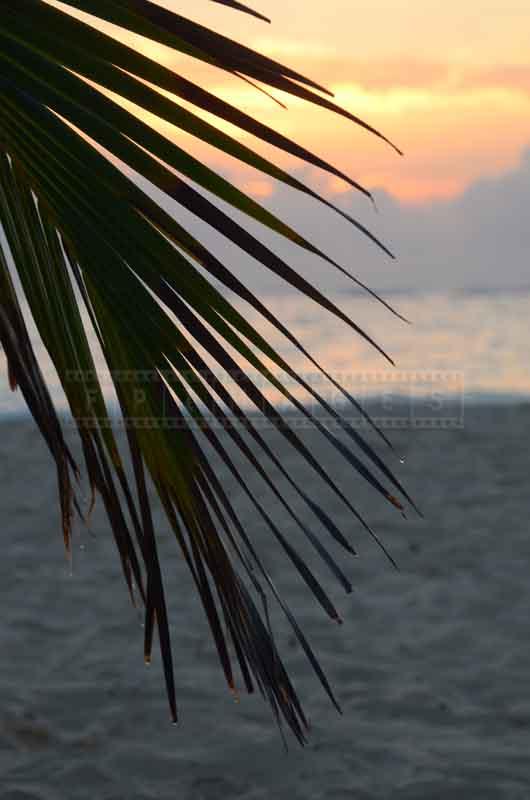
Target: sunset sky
(448,82)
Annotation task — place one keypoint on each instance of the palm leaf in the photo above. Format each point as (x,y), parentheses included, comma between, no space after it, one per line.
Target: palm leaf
(84,238)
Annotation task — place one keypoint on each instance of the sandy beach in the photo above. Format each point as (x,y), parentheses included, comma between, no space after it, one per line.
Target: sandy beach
(431,666)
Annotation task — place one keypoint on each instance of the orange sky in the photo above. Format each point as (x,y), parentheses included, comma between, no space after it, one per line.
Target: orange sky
(448,82)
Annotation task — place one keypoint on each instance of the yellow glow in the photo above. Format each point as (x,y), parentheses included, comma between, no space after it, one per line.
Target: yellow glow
(448,82)
(407,100)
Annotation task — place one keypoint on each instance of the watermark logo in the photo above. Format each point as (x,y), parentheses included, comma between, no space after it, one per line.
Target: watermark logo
(420,399)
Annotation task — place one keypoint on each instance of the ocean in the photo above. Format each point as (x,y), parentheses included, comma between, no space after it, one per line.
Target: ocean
(466,343)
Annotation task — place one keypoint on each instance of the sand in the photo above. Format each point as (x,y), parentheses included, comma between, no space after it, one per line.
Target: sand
(432,664)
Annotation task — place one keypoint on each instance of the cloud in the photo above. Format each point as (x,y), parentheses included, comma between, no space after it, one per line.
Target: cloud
(479,240)
(507,76)
(455,124)
(327,66)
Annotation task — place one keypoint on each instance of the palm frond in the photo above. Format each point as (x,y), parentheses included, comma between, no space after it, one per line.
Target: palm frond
(85,238)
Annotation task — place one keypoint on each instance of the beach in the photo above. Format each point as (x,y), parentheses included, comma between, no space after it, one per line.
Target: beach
(431,666)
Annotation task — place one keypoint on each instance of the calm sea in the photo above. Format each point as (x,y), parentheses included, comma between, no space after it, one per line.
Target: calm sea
(470,345)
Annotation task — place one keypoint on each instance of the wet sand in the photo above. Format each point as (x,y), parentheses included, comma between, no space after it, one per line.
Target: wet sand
(431,666)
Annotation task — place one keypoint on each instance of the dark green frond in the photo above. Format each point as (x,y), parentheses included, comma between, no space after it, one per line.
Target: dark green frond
(84,238)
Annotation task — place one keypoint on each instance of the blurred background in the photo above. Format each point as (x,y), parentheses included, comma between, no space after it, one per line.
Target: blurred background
(432,664)
(450,85)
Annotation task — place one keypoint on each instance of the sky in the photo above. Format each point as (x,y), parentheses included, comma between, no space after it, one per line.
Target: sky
(479,239)
(449,83)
